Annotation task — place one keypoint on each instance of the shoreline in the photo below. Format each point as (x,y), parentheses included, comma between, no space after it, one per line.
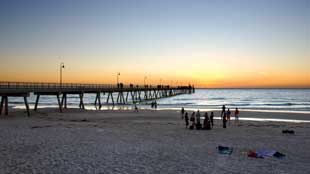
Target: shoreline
(245,115)
(163,107)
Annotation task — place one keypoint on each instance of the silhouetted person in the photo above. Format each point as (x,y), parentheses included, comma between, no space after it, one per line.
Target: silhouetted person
(223,111)
(211,118)
(198,124)
(182,113)
(206,122)
(228,114)
(236,114)
(186,119)
(224,120)
(192,119)
(136,108)
(155,105)
(198,117)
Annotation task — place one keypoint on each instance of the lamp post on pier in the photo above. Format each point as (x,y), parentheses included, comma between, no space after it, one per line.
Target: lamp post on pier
(117,77)
(62,66)
(145,80)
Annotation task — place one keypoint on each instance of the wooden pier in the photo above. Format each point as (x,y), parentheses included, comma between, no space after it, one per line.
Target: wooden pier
(126,94)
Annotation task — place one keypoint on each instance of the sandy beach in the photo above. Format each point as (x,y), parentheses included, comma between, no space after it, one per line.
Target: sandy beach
(147,142)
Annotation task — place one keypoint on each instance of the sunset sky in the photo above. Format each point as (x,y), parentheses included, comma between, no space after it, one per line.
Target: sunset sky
(209,43)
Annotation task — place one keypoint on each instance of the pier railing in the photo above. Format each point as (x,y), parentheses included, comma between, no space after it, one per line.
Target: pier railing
(43,85)
(35,86)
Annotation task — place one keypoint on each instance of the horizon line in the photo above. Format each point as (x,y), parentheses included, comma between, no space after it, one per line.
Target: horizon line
(195,85)
(253,87)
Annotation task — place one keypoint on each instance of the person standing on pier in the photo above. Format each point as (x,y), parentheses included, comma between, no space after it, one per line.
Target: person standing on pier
(223,111)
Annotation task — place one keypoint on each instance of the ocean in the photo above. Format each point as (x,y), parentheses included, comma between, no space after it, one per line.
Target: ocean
(278,100)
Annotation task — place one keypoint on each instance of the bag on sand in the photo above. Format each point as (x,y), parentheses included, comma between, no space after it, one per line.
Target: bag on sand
(198,126)
(224,150)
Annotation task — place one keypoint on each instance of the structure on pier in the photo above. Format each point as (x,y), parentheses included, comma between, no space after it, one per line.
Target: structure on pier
(125,93)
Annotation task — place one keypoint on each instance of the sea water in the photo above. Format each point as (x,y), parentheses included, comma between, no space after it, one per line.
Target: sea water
(279,100)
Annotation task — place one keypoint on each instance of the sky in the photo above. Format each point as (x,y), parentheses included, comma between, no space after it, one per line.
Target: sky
(209,43)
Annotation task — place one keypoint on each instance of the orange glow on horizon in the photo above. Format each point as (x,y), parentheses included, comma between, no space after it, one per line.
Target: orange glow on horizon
(207,80)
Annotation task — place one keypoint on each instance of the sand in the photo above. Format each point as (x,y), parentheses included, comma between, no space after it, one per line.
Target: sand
(146,142)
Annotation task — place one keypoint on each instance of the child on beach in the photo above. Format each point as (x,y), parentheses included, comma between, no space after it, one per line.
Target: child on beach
(236,114)
(186,120)
(228,116)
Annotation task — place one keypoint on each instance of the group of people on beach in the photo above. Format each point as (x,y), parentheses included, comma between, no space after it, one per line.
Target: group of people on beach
(208,123)
(225,115)
(195,119)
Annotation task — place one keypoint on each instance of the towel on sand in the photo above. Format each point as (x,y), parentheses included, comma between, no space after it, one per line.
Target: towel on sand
(224,150)
(265,153)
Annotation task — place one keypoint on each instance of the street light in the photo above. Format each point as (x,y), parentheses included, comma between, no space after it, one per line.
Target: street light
(62,66)
(117,77)
(144,80)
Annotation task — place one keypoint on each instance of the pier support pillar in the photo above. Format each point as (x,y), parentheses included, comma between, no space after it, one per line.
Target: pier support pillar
(37,101)
(98,99)
(127,96)
(47,93)
(27,106)
(64,100)
(108,99)
(139,92)
(5,101)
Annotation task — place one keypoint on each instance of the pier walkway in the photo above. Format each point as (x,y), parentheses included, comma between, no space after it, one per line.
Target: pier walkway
(125,93)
